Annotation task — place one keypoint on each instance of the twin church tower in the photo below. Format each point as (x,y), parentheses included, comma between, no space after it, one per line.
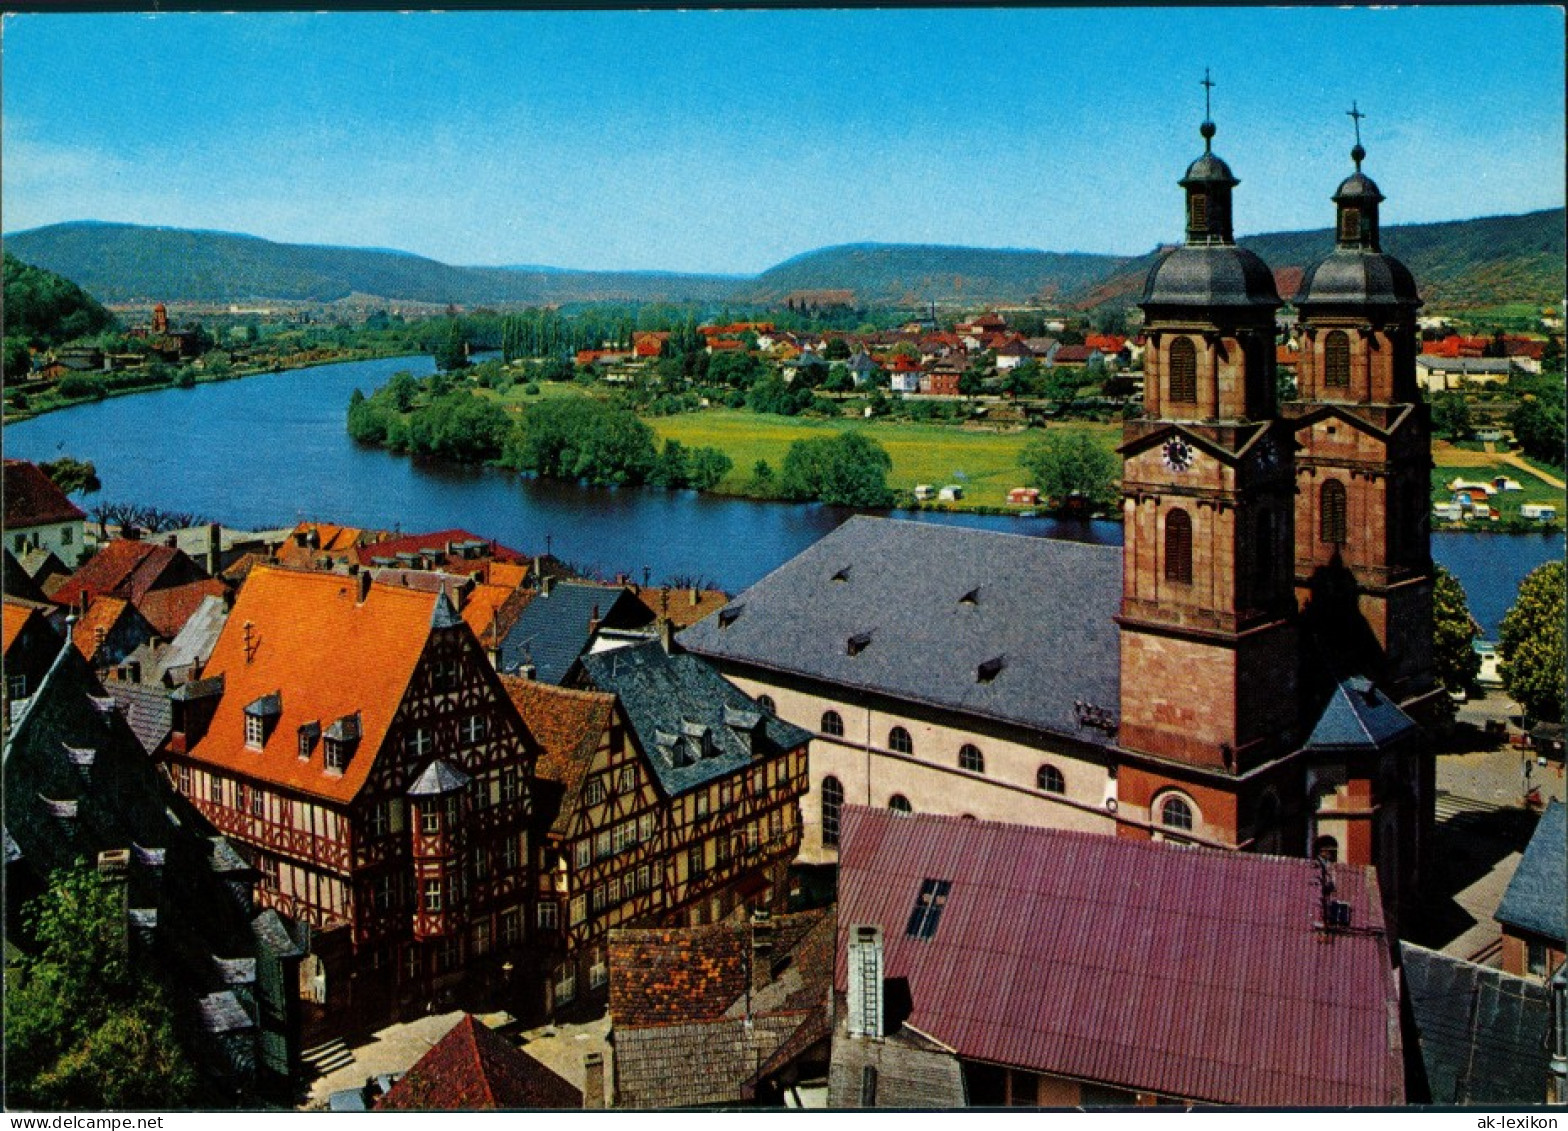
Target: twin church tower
(1276,613)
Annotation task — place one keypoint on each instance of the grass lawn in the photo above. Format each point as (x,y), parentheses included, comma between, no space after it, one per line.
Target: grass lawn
(985,463)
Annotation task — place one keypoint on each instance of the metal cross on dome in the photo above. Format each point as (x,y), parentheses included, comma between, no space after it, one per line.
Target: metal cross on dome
(1208,85)
(1355,115)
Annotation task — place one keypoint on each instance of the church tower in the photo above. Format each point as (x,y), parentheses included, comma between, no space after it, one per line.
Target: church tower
(1363,560)
(1363,565)
(1208,639)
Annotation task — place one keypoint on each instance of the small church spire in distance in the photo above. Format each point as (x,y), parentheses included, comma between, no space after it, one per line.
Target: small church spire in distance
(1207,129)
(1357,154)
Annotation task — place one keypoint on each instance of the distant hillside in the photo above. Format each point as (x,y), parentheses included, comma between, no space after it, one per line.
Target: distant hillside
(913,274)
(1459,264)
(128,263)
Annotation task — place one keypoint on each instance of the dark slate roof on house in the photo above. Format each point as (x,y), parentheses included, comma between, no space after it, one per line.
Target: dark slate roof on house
(1185,972)
(1359,717)
(474,1069)
(937,603)
(438,778)
(552,631)
(673,701)
(196,640)
(1482,1032)
(1534,899)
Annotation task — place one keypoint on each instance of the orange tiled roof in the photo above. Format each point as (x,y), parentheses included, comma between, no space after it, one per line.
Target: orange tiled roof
(677,975)
(123,567)
(167,610)
(103,614)
(329,655)
(509,574)
(685,606)
(14,616)
(487,609)
(569,725)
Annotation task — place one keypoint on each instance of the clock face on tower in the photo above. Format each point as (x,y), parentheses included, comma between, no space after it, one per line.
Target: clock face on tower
(1178,454)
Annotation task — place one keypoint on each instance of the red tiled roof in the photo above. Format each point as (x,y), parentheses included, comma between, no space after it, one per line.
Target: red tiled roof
(130,569)
(330,655)
(435,543)
(570,727)
(167,610)
(32,499)
(1105,343)
(1073,353)
(1190,972)
(474,1069)
(677,975)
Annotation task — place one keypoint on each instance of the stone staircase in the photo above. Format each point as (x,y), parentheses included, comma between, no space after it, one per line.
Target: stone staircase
(325,1058)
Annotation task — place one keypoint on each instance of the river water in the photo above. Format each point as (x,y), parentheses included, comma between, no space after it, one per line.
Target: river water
(272,450)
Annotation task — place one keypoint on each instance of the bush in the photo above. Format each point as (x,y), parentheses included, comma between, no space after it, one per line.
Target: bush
(848,469)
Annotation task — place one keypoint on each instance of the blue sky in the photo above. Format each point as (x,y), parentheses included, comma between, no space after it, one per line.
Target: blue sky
(728,141)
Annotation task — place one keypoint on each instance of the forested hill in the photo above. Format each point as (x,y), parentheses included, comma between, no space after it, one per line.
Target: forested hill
(128,263)
(912,274)
(1459,264)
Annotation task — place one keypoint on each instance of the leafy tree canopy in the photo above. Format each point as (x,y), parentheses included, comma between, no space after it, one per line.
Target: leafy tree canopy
(72,475)
(1531,644)
(1066,463)
(579,438)
(846,469)
(85,1028)
(1453,634)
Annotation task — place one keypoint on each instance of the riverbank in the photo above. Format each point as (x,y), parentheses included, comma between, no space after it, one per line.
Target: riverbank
(44,398)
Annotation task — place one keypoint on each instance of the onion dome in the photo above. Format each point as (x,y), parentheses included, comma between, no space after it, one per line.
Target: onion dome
(1357,271)
(1209,269)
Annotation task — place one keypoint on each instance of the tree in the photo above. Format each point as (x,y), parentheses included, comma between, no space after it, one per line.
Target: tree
(85,1027)
(847,469)
(1068,463)
(708,467)
(1538,425)
(672,468)
(18,360)
(579,438)
(1451,416)
(72,475)
(837,350)
(1531,644)
(451,353)
(43,308)
(1453,634)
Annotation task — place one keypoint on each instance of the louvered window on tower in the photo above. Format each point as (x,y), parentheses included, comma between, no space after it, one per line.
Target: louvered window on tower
(1350,224)
(928,909)
(1332,520)
(1336,360)
(1178,547)
(1200,210)
(1184,371)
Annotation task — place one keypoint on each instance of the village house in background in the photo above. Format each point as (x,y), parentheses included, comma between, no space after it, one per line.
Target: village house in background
(39,516)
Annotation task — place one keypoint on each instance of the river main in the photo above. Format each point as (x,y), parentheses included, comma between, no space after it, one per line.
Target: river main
(272,450)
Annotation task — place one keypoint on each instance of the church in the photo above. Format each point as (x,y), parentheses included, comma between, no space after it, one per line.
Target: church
(1250,670)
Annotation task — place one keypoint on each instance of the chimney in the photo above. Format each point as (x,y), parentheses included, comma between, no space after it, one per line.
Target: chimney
(594,621)
(133,671)
(545,585)
(761,948)
(171,541)
(214,549)
(696,596)
(593,1081)
(364,585)
(865,982)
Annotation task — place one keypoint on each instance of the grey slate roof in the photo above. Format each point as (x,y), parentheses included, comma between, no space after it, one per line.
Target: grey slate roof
(694,1065)
(195,641)
(1210,275)
(1534,899)
(1359,277)
(673,700)
(437,779)
(1482,1033)
(1359,717)
(1042,607)
(147,708)
(552,630)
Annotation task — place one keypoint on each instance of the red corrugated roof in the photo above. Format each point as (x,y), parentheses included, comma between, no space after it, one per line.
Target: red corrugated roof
(1184,972)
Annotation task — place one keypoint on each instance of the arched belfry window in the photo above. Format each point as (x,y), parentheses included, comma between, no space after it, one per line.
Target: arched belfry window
(1333,523)
(1336,360)
(1178,547)
(1184,369)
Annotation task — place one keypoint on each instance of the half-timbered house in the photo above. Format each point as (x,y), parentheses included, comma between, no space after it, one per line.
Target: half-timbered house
(729,776)
(353,738)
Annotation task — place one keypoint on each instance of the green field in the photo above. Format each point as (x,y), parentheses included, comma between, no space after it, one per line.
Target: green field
(985,463)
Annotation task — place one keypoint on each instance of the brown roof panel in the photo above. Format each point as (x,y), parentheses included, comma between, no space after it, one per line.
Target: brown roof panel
(475,1069)
(1185,972)
(32,499)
